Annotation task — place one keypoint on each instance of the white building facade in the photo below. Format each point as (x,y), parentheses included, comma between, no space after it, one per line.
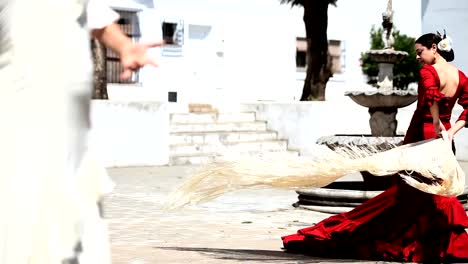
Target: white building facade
(245,50)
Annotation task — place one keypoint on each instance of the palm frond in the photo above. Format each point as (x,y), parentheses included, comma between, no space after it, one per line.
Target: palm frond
(293,2)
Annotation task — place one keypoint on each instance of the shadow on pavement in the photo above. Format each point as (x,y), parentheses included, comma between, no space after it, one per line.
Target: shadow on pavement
(255,255)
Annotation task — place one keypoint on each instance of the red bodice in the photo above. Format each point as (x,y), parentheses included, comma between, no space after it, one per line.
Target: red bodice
(421,126)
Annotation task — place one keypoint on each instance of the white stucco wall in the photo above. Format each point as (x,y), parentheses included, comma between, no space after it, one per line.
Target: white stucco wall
(450,15)
(137,133)
(130,133)
(255,56)
(302,123)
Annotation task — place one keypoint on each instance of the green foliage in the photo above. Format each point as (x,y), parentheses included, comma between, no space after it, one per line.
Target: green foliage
(405,72)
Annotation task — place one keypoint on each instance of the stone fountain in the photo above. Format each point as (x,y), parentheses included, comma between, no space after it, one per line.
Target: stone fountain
(383,104)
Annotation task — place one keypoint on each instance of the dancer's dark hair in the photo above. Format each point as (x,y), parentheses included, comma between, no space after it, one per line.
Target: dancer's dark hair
(429,39)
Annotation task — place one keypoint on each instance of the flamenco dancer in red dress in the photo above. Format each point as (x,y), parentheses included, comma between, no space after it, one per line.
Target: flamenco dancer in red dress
(403,223)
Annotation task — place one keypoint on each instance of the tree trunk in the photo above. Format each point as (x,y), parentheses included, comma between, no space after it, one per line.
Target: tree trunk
(100,72)
(319,62)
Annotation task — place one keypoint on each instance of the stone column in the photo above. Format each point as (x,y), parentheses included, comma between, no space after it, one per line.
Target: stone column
(383,121)
(385,70)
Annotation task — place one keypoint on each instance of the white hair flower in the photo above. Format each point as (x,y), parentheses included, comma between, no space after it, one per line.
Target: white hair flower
(445,44)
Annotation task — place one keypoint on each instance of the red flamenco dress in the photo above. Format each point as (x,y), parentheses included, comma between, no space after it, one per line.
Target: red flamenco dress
(402,223)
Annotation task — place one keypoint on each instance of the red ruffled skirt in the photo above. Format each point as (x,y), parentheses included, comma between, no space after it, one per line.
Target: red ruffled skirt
(400,224)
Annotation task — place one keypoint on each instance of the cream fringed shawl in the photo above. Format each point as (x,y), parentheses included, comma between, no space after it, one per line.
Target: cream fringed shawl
(431,158)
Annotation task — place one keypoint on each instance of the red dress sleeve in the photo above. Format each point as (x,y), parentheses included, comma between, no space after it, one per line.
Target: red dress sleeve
(429,80)
(463,99)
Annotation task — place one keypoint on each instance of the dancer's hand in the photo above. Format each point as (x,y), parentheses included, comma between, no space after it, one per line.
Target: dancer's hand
(134,56)
(442,132)
(450,133)
(445,135)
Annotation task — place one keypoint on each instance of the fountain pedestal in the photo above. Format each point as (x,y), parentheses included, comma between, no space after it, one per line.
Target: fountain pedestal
(383,121)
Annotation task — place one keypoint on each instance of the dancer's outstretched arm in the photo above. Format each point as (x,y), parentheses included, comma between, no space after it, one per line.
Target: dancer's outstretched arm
(132,55)
(101,21)
(456,127)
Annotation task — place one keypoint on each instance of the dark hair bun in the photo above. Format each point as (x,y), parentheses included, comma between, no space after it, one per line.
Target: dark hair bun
(447,55)
(429,39)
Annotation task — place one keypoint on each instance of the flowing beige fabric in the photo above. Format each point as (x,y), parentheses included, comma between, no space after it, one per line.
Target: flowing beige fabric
(432,159)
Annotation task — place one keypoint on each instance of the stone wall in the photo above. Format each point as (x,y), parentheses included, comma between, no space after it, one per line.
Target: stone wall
(130,133)
(302,123)
(137,133)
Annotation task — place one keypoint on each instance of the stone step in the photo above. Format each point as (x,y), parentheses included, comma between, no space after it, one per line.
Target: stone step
(202,108)
(205,136)
(212,117)
(212,127)
(220,137)
(192,159)
(234,147)
(212,158)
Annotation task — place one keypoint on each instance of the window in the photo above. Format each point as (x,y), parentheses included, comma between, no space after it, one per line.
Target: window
(334,48)
(129,24)
(172,97)
(301,54)
(198,32)
(173,35)
(169,30)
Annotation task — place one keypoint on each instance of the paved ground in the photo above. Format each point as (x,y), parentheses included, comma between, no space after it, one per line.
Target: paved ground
(241,227)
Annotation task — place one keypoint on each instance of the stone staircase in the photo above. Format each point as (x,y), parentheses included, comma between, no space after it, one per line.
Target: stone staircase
(203,135)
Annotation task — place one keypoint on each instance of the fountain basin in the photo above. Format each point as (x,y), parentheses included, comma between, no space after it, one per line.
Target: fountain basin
(383,106)
(339,197)
(387,55)
(380,99)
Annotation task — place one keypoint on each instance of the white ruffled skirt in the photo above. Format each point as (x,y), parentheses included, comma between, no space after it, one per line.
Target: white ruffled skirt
(50,184)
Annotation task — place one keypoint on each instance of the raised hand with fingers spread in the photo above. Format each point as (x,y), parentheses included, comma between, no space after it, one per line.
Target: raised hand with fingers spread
(132,55)
(135,56)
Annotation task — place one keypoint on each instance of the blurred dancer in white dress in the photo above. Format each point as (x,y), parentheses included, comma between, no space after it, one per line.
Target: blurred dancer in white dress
(49,211)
